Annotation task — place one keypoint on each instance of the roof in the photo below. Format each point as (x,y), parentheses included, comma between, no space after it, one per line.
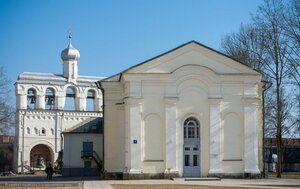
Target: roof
(117,76)
(49,78)
(90,125)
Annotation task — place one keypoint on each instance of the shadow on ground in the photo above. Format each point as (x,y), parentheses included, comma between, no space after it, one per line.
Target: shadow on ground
(42,178)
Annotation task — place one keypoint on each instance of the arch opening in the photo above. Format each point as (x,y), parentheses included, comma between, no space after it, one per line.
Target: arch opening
(31,99)
(40,156)
(90,100)
(70,99)
(49,99)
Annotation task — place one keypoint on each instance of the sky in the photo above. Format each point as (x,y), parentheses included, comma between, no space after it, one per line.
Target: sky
(111,35)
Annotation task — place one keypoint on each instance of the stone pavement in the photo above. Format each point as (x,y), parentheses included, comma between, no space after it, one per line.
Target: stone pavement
(59,182)
(247,183)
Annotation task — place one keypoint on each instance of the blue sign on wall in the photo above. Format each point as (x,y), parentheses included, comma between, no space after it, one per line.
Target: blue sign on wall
(135,141)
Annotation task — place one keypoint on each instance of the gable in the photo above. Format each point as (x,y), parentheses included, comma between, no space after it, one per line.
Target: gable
(192,53)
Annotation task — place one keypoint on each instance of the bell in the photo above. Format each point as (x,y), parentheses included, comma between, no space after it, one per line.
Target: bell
(50,102)
(32,101)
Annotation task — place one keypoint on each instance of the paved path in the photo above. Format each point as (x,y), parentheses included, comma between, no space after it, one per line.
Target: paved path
(95,183)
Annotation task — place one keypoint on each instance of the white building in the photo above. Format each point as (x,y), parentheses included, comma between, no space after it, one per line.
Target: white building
(48,104)
(189,112)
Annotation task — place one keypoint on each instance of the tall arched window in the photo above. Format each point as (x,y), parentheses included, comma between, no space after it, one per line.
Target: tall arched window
(49,99)
(191,128)
(31,99)
(70,99)
(90,100)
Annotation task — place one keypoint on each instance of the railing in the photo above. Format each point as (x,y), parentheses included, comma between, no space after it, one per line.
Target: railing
(94,155)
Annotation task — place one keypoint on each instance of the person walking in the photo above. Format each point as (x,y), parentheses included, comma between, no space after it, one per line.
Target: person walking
(49,171)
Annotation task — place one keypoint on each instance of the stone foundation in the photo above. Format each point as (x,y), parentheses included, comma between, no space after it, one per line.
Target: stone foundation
(236,175)
(141,176)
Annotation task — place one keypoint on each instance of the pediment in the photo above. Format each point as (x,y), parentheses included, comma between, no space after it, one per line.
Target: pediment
(192,53)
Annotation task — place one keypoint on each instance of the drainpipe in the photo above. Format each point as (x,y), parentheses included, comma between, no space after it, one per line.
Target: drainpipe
(99,86)
(23,135)
(265,87)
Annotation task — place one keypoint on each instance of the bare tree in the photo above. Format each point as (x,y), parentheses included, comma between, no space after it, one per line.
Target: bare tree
(266,44)
(6,111)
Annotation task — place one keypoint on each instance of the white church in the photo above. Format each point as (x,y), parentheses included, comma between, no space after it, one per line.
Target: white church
(190,112)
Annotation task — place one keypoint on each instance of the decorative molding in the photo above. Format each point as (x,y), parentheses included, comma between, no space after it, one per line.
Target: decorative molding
(215,100)
(171,100)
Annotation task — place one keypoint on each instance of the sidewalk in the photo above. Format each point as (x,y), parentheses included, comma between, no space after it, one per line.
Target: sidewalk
(59,182)
(180,183)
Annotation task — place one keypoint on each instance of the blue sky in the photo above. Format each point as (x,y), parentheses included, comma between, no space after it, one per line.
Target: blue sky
(110,35)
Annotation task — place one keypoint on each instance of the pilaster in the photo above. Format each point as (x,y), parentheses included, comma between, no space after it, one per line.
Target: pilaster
(171,115)
(215,136)
(134,123)
(251,135)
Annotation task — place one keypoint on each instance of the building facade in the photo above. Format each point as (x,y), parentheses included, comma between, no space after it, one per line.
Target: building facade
(48,104)
(190,112)
(83,149)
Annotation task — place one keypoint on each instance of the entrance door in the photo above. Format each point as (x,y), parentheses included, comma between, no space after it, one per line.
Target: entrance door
(87,168)
(191,148)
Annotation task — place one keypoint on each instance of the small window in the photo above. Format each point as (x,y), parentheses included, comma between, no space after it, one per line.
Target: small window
(28,130)
(36,131)
(43,131)
(195,160)
(52,131)
(186,160)
(187,149)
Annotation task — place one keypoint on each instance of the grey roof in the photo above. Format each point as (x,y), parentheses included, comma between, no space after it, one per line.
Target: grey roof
(50,78)
(90,125)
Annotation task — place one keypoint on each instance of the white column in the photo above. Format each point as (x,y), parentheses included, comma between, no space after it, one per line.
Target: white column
(60,101)
(40,101)
(80,103)
(98,104)
(134,123)
(251,136)
(171,134)
(215,136)
(21,101)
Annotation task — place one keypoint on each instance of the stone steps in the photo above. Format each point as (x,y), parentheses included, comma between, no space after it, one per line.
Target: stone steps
(197,179)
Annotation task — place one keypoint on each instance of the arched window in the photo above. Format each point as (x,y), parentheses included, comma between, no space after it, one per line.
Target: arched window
(70,99)
(36,131)
(52,131)
(90,100)
(43,131)
(49,99)
(31,99)
(191,128)
(28,130)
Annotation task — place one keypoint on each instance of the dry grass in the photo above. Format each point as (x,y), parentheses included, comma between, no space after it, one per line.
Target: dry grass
(171,186)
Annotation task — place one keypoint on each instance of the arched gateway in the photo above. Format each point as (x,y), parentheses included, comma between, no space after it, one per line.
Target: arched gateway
(40,156)
(191,148)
